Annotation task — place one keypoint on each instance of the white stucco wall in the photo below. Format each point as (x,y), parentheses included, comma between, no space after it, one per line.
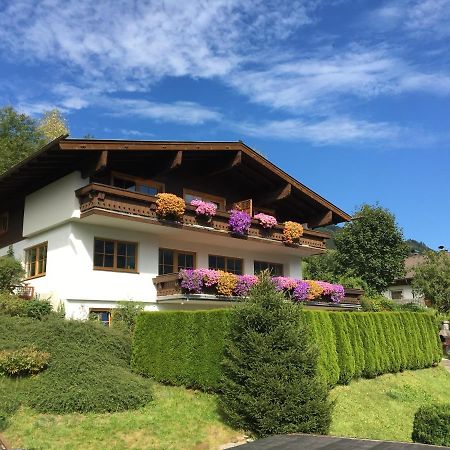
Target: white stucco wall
(52,205)
(407,292)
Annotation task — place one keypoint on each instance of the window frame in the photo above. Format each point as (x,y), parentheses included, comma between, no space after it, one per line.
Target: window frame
(160,187)
(226,263)
(396,292)
(221,201)
(36,263)
(176,252)
(102,310)
(281,265)
(115,268)
(4,215)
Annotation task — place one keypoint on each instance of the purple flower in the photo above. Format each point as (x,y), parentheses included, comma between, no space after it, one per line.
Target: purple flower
(191,280)
(338,293)
(240,221)
(266,220)
(204,208)
(244,284)
(301,291)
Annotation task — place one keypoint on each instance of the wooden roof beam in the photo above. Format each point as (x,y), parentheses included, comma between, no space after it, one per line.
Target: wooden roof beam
(321,220)
(174,163)
(96,166)
(237,161)
(279,194)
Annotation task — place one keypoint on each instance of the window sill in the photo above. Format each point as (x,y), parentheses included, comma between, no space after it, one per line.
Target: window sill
(35,276)
(107,269)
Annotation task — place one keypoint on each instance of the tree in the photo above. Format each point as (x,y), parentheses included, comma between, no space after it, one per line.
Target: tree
(53,125)
(19,137)
(270,382)
(432,279)
(11,273)
(372,247)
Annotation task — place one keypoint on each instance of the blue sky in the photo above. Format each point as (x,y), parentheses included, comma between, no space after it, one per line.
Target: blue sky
(350,97)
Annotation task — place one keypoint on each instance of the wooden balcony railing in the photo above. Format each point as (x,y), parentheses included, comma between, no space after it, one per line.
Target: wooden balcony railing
(169,284)
(98,196)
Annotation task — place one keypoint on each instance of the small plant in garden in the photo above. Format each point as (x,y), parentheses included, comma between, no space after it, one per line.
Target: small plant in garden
(205,209)
(239,222)
(11,272)
(266,220)
(432,425)
(292,232)
(270,383)
(124,315)
(23,362)
(170,206)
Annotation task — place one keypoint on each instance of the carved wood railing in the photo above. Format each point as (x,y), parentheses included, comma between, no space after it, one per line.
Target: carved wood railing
(170,285)
(118,200)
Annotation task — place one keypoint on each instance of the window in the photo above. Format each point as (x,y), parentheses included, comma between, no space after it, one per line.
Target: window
(275,269)
(193,195)
(36,261)
(233,265)
(102,315)
(135,184)
(397,295)
(115,255)
(4,220)
(172,261)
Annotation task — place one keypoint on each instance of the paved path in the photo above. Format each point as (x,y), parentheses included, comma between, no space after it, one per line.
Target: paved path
(446,363)
(310,442)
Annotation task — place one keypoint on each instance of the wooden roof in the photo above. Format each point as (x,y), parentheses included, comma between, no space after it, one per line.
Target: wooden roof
(63,156)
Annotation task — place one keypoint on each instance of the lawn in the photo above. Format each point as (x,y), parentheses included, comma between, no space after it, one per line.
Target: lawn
(381,408)
(384,407)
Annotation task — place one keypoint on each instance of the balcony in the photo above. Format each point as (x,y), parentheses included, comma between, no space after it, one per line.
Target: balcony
(169,291)
(107,200)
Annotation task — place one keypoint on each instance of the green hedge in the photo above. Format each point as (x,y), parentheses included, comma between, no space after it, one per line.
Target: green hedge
(185,348)
(432,425)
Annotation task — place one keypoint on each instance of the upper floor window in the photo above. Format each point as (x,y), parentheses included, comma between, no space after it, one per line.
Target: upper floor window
(36,261)
(194,195)
(226,263)
(275,269)
(4,222)
(172,261)
(115,255)
(135,184)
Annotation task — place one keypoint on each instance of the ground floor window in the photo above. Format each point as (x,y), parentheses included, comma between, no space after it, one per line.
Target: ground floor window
(275,269)
(172,261)
(226,263)
(36,261)
(397,294)
(100,315)
(113,255)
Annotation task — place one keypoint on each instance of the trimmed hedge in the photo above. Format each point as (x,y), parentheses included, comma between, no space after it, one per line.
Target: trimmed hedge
(186,348)
(432,425)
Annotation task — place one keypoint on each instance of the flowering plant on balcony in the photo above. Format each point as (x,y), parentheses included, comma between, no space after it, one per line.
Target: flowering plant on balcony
(300,293)
(315,290)
(240,221)
(191,280)
(210,277)
(206,209)
(266,220)
(227,283)
(334,291)
(284,283)
(244,284)
(292,232)
(170,205)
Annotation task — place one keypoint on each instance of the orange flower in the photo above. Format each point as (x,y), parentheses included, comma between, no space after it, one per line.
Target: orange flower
(168,205)
(226,284)
(315,290)
(292,232)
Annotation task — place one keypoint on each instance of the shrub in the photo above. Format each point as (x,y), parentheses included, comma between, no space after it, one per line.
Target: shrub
(26,361)
(170,206)
(292,232)
(181,347)
(344,350)
(125,314)
(88,370)
(12,305)
(270,383)
(37,308)
(11,273)
(432,425)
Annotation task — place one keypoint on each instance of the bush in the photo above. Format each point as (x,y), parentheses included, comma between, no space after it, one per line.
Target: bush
(23,362)
(12,305)
(180,347)
(270,382)
(432,425)
(125,314)
(88,370)
(344,349)
(11,273)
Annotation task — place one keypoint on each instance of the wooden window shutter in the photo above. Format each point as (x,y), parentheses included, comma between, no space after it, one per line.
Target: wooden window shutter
(244,205)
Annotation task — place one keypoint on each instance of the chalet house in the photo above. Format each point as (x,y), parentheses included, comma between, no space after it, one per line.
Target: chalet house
(81,216)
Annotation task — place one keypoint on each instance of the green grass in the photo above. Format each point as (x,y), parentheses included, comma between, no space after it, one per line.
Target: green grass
(177,419)
(384,407)
(381,408)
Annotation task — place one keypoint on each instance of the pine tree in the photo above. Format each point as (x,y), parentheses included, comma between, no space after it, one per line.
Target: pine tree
(270,383)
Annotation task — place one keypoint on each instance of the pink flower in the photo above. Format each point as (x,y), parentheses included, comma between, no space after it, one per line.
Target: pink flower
(266,220)
(204,208)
